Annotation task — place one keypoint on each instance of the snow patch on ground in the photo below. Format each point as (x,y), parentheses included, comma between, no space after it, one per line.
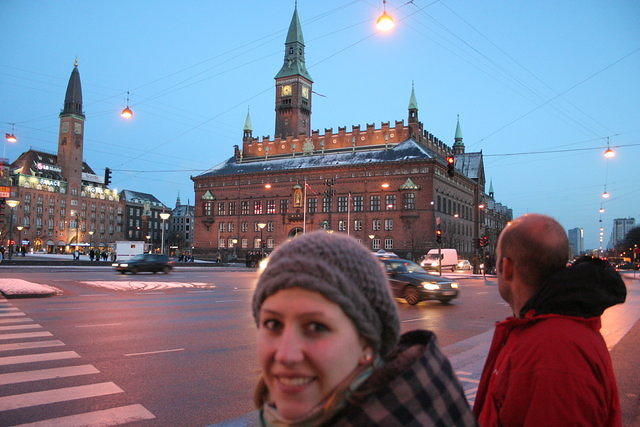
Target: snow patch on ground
(147,286)
(9,286)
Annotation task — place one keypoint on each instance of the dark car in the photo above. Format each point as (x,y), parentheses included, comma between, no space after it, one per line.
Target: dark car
(628,266)
(145,262)
(411,282)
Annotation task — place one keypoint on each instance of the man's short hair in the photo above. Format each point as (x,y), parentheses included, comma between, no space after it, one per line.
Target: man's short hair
(537,245)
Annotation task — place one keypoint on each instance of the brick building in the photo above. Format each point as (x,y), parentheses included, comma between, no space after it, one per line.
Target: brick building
(63,202)
(387,186)
(142,218)
(181,227)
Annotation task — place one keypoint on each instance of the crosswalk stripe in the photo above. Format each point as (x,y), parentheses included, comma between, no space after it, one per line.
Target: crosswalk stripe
(16,320)
(5,309)
(12,314)
(25,400)
(46,374)
(16,327)
(25,335)
(39,357)
(30,344)
(113,416)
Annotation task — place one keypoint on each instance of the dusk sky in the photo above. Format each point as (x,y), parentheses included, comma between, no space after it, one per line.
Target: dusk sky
(523,76)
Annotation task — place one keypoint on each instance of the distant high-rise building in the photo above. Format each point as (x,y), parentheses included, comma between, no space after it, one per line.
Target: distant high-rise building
(576,241)
(621,227)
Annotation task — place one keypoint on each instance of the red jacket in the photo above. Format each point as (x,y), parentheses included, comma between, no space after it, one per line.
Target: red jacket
(548,370)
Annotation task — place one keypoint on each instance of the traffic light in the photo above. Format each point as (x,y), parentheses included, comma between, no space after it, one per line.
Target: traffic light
(483,241)
(439,236)
(107,176)
(451,163)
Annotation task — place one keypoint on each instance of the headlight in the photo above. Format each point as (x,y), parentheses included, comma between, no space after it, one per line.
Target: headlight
(124,265)
(454,285)
(430,286)
(114,264)
(434,264)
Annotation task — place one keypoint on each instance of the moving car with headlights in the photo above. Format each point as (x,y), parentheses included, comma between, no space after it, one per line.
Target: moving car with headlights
(145,262)
(463,264)
(410,281)
(448,257)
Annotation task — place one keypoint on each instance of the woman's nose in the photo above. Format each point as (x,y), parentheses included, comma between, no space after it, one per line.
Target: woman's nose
(290,347)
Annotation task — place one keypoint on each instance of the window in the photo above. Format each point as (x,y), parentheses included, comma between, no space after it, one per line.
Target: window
(60,224)
(390,202)
(376,224)
(270,242)
(229,227)
(232,209)
(270,226)
(374,203)
(409,201)
(221,208)
(388,224)
(208,207)
(244,226)
(326,204)
(255,227)
(284,204)
(342,225)
(221,226)
(357,203)
(439,207)
(388,243)
(375,244)
(221,243)
(256,243)
(342,204)
(229,242)
(257,207)
(244,208)
(271,206)
(357,224)
(312,205)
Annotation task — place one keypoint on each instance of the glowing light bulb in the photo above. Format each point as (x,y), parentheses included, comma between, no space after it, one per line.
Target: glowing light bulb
(385,22)
(126,113)
(606,195)
(10,137)
(609,153)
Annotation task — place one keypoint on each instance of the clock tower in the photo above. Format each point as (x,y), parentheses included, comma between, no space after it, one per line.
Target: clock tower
(70,139)
(293,86)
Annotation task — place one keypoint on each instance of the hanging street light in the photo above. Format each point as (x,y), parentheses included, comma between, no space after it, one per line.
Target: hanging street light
(127,113)
(606,195)
(385,22)
(609,153)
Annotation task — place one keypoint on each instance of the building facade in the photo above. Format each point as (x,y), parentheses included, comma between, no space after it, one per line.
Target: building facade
(621,227)
(63,202)
(576,241)
(142,220)
(388,186)
(181,227)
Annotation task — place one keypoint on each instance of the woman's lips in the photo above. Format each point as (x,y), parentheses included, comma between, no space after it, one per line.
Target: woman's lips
(293,384)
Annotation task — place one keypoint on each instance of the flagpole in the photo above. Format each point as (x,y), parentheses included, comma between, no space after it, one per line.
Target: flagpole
(304,209)
(349,214)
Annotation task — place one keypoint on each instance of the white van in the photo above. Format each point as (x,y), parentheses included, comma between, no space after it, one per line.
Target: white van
(449,259)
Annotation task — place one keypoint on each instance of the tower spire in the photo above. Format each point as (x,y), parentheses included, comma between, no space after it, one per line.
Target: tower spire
(458,145)
(178,199)
(294,63)
(73,97)
(247,131)
(413,106)
(491,188)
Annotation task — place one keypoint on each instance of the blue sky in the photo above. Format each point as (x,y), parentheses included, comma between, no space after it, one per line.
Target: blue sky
(524,77)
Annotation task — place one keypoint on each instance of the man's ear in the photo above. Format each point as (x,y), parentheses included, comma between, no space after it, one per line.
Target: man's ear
(506,265)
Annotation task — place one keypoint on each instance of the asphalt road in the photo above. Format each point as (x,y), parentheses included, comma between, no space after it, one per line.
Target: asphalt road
(187,356)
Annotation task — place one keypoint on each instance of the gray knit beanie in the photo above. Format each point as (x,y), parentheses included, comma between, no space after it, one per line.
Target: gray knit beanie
(343,271)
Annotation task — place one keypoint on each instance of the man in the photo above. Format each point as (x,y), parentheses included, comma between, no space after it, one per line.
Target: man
(549,365)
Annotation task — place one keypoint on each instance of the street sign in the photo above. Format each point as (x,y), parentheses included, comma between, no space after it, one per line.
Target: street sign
(5,191)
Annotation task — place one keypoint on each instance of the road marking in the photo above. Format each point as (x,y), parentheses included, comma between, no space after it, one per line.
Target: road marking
(463,373)
(16,320)
(30,344)
(414,320)
(113,416)
(25,400)
(40,357)
(10,308)
(155,352)
(12,314)
(93,295)
(98,325)
(468,380)
(47,374)
(150,293)
(25,335)
(228,300)
(484,292)
(201,292)
(67,308)
(16,327)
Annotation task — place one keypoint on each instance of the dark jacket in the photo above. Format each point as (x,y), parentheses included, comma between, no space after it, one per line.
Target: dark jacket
(551,366)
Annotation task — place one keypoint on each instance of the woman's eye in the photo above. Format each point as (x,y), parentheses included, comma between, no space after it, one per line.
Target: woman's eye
(316,327)
(271,324)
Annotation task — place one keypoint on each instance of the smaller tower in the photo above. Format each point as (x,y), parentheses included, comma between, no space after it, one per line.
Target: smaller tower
(247,131)
(178,200)
(458,145)
(415,127)
(491,188)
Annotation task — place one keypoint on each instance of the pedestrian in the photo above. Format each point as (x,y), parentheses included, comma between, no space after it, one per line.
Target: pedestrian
(548,364)
(91,254)
(23,250)
(113,257)
(329,345)
(76,254)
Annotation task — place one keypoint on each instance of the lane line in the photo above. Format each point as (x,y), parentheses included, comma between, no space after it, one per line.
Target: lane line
(463,373)
(5,309)
(17,327)
(40,357)
(31,344)
(47,374)
(150,293)
(13,314)
(93,295)
(155,352)
(228,300)
(95,325)
(67,308)
(469,380)
(25,400)
(414,320)
(25,335)
(16,320)
(110,417)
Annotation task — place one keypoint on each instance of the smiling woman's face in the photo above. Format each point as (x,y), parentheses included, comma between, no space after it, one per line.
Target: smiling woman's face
(306,347)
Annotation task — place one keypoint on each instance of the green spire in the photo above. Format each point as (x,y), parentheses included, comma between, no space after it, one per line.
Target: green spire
(413,104)
(247,122)
(491,187)
(294,51)
(458,137)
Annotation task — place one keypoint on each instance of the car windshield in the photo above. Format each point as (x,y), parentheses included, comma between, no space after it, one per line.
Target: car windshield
(404,266)
(138,257)
(434,257)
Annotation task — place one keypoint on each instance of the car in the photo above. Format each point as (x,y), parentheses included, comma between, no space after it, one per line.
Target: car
(628,266)
(463,264)
(145,262)
(412,283)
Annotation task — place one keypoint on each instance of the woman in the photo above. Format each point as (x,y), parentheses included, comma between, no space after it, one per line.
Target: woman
(329,345)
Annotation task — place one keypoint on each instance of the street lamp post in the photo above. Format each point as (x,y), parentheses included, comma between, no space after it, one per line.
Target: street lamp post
(371,237)
(261,226)
(20,228)
(235,253)
(12,204)
(91,237)
(163,216)
(148,237)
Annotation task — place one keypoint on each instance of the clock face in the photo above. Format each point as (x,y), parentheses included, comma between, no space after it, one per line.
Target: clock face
(77,128)
(286,90)
(305,92)
(65,126)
